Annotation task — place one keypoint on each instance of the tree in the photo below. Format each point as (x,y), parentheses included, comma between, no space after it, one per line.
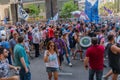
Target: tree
(117,5)
(34,10)
(67,8)
(109,5)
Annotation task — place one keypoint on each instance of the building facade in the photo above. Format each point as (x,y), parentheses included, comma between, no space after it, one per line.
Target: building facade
(45,8)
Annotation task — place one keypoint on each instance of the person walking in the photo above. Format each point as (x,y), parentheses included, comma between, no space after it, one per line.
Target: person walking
(51,60)
(66,50)
(60,46)
(113,58)
(21,59)
(13,42)
(95,58)
(36,41)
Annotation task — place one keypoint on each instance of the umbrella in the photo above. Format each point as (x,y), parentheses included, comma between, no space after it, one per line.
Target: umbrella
(83,16)
(76,13)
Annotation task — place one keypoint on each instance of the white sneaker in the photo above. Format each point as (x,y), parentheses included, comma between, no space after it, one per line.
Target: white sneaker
(70,64)
(104,77)
(82,60)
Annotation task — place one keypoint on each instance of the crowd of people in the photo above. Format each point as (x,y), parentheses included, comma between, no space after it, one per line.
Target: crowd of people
(55,42)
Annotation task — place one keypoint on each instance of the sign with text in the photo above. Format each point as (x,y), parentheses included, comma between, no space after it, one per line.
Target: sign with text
(22,13)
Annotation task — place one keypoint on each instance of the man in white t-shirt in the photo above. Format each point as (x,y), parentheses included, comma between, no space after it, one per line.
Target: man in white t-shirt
(36,41)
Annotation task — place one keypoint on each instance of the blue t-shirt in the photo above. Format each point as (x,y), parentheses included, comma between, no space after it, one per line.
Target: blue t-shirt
(12,43)
(0,35)
(5,44)
(0,44)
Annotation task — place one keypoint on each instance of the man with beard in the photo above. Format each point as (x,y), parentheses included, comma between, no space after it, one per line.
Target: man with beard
(59,43)
(94,56)
(13,42)
(4,66)
(21,59)
(113,57)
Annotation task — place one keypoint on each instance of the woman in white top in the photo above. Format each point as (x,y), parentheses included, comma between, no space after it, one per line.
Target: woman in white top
(51,60)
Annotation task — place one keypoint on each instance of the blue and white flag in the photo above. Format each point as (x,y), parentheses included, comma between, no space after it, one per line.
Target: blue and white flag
(91,9)
(55,18)
(22,13)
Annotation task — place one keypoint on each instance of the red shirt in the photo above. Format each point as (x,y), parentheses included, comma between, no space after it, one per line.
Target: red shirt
(95,54)
(50,33)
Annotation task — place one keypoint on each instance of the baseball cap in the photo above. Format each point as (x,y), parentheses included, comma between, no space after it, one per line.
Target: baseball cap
(0,44)
(64,32)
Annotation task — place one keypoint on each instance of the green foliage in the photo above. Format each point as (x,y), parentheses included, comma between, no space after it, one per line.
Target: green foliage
(109,5)
(67,8)
(34,10)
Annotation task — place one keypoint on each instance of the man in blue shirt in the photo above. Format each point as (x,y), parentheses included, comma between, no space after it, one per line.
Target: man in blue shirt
(5,44)
(21,59)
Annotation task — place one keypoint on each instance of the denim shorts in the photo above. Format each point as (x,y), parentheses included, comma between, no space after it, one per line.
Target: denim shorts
(24,75)
(116,71)
(51,69)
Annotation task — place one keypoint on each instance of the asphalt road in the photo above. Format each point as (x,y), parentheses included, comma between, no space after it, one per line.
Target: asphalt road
(76,72)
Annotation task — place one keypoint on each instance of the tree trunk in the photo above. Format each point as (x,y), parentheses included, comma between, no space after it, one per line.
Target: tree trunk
(51,8)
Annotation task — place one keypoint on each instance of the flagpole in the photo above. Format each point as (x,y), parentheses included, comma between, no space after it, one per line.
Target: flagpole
(13,11)
(52,9)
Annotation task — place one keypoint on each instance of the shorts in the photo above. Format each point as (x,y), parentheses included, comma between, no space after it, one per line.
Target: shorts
(116,71)
(50,69)
(78,47)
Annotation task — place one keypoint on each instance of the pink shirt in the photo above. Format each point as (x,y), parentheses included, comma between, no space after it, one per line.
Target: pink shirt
(44,35)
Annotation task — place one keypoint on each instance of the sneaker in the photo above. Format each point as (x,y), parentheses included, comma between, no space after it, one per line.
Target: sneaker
(70,64)
(60,68)
(73,58)
(104,78)
(82,60)
(105,66)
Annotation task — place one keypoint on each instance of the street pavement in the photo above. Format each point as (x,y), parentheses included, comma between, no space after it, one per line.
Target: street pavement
(76,72)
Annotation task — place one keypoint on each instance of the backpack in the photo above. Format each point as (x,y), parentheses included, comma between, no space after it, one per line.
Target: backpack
(30,36)
(73,41)
(106,50)
(99,39)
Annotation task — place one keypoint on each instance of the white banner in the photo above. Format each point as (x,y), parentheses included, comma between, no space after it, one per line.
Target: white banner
(22,13)
(92,2)
(55,18)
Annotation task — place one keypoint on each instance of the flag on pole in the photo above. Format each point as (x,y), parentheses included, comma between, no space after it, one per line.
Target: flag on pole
(108,10)
(22,13)
(55,18)
(91,9)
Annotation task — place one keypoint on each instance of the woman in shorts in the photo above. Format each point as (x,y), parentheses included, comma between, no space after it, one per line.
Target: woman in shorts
(51,60)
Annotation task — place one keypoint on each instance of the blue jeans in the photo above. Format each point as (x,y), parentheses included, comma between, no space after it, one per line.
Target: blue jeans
(98,73)
(67,58)
(9,59)
(24,75)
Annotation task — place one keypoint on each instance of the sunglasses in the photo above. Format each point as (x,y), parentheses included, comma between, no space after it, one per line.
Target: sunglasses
(52,45)
(15,34)
(6,51)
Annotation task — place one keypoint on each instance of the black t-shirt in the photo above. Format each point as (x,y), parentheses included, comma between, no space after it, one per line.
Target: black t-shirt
(114,59)
(92,33)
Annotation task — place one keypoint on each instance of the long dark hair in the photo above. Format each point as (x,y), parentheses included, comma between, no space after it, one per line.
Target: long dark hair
(55,47)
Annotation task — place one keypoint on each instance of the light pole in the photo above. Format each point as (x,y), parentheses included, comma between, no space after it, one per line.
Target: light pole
(13,11)
(52,8)
(118,5)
